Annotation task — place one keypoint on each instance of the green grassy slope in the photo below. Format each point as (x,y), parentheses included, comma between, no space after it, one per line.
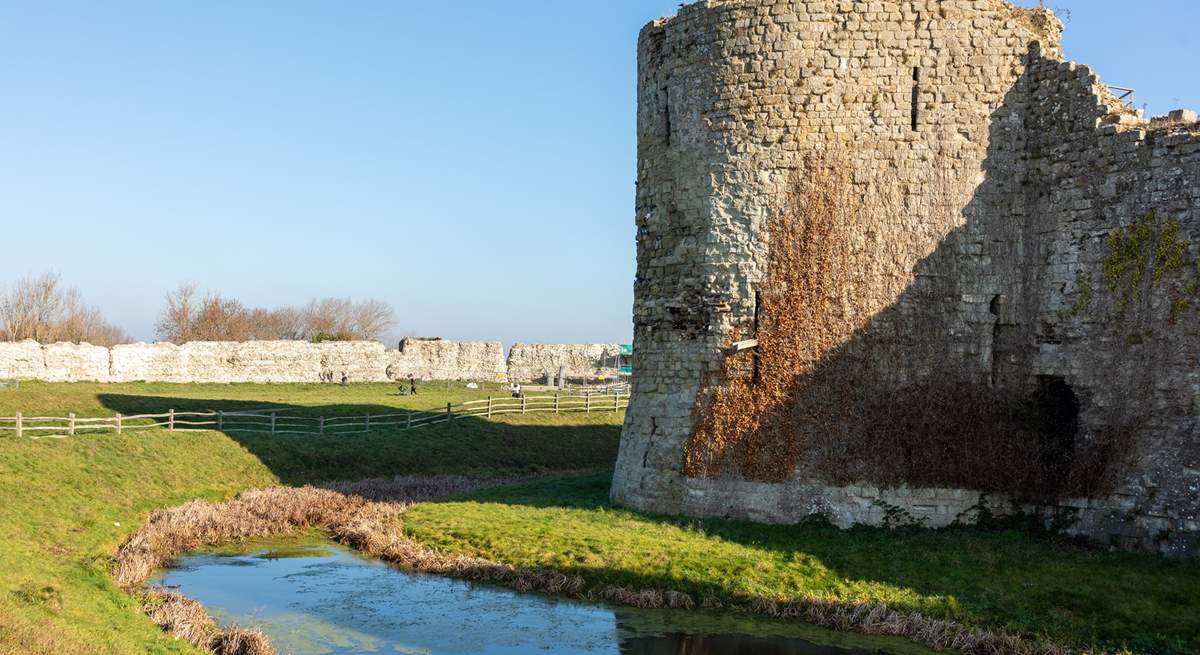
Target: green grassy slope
(68,503)
(995,578)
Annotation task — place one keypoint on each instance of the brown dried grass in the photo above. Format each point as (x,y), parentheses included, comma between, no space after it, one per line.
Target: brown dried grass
(374,528)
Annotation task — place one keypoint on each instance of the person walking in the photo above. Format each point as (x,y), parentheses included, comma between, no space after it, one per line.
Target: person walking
(412,386)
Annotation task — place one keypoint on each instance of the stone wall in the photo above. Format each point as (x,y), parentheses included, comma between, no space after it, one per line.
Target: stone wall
(439,359)
(299,361)
(1001,175)
(534,361)
(23,360)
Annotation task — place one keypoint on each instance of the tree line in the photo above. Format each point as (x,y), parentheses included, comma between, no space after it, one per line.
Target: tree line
(42,308)
(188,316)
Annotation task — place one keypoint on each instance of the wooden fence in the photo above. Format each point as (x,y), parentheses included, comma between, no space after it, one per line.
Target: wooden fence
(283,421)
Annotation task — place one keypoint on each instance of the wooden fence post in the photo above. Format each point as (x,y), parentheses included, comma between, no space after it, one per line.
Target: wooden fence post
(367,427)
(18,425)
(408,420)
(170,420)
(489,409)
(118,424)
(616,401)
(555,402)
(220,420)
(71,424)
(449,415)
(588,398)
(321,425)
(272,422)
(522,403)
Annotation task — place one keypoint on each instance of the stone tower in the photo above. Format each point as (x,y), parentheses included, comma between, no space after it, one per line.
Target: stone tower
(1021,231)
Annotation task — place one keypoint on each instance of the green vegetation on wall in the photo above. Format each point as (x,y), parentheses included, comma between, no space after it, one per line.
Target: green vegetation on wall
(1131,257)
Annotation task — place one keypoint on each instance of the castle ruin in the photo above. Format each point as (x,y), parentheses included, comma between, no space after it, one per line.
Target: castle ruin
(962,272)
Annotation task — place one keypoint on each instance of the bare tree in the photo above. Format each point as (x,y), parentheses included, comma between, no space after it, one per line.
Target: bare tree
(216,318)
(175,321)
(372,318)
(342,318)
(40,308)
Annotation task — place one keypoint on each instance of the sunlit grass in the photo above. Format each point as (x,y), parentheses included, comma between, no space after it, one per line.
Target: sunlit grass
(1001,578)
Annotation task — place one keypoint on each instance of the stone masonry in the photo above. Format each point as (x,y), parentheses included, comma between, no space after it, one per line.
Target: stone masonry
(299,361)
(535,361)
(440,359)
(1045,232)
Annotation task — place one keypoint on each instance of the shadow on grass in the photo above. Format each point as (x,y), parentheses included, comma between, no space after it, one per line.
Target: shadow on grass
(1027,579)
(467,446)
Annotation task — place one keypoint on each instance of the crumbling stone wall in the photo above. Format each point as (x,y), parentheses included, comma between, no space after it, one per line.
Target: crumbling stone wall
(440,359)
(249,361)
(300,361)
(22,360)
(534,361)
(1026,229)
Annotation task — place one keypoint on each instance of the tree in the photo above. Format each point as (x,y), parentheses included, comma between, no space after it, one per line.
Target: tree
(175,322)
(216,318)
(40,308)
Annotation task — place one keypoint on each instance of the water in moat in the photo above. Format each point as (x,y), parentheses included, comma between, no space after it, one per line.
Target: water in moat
(320,598)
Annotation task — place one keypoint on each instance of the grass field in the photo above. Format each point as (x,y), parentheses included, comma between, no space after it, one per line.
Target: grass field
(68,504)
(998,578)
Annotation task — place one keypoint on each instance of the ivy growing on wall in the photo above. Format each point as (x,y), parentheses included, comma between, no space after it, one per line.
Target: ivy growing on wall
(820,398)
(1148,253)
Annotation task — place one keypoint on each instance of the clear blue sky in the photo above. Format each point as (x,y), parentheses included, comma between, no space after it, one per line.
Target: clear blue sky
(471,162)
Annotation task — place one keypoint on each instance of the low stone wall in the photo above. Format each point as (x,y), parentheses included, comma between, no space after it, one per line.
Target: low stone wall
(533,361)
(439,359)
(250,361)
(23,360)
(300,361)
(796,501)
(68,362)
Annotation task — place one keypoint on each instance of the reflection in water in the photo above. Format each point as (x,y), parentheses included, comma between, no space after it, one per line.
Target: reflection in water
(317,600)
(679,644)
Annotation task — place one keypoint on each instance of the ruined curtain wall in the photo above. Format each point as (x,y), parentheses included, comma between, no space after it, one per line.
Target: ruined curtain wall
(300,361)
(250,361)
(439,359)
(534,361)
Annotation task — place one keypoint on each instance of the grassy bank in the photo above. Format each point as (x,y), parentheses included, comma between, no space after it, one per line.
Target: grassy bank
(999,578)
(93,399)
(68,503)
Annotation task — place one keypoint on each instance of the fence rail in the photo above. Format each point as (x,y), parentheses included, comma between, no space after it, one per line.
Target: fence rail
(282,421)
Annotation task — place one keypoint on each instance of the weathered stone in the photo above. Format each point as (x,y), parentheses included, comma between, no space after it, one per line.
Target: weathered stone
(439,359)
(1038,164)
(535,361)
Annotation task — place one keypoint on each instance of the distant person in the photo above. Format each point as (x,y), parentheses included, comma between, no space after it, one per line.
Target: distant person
(412,386)
(515,389)
(345,379)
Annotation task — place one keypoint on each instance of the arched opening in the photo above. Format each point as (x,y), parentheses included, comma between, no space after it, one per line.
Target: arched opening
(1057,411)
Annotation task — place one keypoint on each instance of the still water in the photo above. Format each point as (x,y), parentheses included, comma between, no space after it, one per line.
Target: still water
(325,599)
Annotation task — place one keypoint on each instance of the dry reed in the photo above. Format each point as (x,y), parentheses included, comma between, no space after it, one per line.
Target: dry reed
(373,527)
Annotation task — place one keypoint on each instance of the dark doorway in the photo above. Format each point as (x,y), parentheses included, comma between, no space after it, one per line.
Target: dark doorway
(1057,411)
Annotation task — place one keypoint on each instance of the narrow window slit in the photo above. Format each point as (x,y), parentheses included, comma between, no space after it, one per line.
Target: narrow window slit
(916,97)
(666,110)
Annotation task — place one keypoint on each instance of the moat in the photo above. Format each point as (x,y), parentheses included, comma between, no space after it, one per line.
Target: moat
(316,597)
